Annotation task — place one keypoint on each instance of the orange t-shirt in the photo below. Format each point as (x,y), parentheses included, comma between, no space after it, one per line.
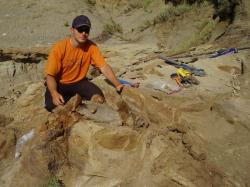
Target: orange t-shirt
(70,64)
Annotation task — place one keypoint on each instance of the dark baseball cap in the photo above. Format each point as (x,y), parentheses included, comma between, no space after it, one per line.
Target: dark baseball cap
(80,21)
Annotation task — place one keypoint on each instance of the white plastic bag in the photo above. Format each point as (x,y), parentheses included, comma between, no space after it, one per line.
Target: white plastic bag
(165,86)
(21,141)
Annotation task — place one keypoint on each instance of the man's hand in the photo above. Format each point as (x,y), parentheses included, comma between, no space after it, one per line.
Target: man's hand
(57,99)
(119,88)
(109,74)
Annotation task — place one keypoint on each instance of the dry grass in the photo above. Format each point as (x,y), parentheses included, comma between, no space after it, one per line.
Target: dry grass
(109,29)
(167,13)
(91,2)
(112,27)
(140,4)
(196,39)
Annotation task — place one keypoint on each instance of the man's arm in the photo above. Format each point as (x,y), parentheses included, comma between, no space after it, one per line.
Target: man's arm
(52,86)
(109,74)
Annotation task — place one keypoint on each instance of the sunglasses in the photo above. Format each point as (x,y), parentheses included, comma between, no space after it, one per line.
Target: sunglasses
(82,29)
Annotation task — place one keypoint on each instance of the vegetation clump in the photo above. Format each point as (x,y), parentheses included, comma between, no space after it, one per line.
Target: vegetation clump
(167,13)
(224,9)
(111,28)
(55,182)
(91,2)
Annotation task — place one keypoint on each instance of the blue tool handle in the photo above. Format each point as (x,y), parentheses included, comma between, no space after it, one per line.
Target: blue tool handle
(125,82)
(224,52)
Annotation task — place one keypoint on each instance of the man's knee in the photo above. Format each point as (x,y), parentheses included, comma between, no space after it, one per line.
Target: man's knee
(97,99)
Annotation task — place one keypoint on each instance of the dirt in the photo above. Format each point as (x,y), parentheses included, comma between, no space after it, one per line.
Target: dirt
(198,136)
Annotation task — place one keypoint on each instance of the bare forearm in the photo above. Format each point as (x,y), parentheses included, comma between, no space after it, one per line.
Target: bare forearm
(51,84)
(57,98)
(109,74)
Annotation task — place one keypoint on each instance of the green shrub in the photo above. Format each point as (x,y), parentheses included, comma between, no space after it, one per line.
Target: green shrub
(171,11)
(66,23)
(91,2)
(112,28)
(55,182)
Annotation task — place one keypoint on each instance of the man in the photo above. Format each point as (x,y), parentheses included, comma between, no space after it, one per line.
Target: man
(68,64)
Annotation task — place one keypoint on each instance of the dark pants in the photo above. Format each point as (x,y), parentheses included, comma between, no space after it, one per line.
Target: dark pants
(84,88)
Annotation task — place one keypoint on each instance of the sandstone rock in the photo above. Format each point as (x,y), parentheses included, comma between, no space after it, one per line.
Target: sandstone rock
(99,113)
(7,140)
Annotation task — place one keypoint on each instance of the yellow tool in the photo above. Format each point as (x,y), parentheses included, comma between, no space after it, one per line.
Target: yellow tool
(183,73)
(184,78)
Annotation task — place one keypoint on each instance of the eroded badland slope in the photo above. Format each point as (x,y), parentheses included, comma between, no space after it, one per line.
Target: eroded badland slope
(198,136)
